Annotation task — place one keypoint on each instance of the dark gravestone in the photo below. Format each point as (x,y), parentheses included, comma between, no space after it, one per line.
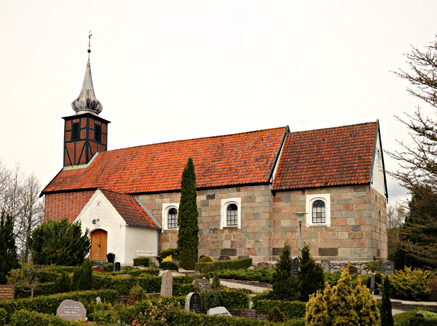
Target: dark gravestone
(326,265)
(98,269)
(388,267)
(7,292)
(192,302)
(353,270)
(373,283)
(295,267)
(221,258)
(203,284)
(117,267)
(228,252)
(71,310)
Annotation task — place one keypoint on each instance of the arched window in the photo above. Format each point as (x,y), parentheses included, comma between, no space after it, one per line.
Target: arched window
(172,219)
(319,212)
(232,215)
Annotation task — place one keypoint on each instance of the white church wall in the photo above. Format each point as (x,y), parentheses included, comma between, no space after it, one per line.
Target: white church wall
(377,173)
(140,239)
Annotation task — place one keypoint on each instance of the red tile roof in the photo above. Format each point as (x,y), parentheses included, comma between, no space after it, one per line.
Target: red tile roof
(130,210)
(245,158)
(326,157)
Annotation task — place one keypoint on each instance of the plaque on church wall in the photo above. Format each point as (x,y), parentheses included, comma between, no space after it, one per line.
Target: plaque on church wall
(7,292)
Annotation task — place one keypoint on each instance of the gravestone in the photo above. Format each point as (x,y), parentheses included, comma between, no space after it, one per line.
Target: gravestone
(388,267)
(263,264)
(98,300)
(353,270)
(7,292)
(295,268)
(326,265)
(117,267)
(155,261)
(167,284)
(98,269)
(218,311)
(192,302)
(221,258)
(71,310)
(373,283)
(203,284)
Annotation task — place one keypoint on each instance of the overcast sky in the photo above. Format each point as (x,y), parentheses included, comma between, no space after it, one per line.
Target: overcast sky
(170,70)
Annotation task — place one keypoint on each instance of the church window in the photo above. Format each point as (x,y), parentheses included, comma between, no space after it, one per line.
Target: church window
(318,212)
(318,207)
(75,131)
(230,213)
(98,133)
(172,218)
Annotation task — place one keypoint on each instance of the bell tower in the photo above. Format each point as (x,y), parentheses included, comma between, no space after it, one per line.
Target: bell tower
(85,133)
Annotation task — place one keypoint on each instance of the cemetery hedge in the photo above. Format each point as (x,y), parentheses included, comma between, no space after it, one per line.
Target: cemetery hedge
(3,316)
(240,263)
(292,309)
(142,261)
(26,318)
(227,299)
(260,275)
(137,272)
(49,304)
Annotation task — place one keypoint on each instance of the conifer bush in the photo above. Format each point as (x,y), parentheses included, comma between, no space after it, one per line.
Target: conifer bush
(188,236)
(311,275)
(284,286)
(215,285)
(342,305)
(83,277)
(411,284)
(275,315)
(386,309)
(169,265)
(8,249)
(63,283)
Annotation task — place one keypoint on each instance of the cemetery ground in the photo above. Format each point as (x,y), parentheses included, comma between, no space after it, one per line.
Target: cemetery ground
(226,292)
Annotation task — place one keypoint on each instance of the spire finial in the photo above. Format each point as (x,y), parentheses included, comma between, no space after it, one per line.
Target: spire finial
(89,43)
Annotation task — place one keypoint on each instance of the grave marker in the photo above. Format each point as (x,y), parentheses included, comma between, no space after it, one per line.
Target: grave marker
(218,311)
(192,302)
(71,310)
(98,269)
(373,283)
(353,270)
(388,267)
(167,284)
(7,292)
(326,265)
(295,268)
(203,284)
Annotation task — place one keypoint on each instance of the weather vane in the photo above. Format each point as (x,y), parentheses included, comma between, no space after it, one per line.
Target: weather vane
(89,43)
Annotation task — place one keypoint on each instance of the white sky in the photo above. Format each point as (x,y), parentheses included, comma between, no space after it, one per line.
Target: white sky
(169,70)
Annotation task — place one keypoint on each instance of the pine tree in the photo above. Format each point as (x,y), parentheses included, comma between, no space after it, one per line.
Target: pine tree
(8,250)
(188,236)
(285,287)
(317,311)
(311,275)
(386,309)
(342,301)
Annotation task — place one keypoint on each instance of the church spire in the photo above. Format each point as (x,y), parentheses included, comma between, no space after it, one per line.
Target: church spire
(87,101)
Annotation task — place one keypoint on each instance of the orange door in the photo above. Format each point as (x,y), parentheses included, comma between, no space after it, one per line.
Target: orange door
(98,245)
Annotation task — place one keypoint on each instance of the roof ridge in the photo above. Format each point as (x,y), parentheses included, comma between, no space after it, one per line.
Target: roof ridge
(191,139)
(338,127)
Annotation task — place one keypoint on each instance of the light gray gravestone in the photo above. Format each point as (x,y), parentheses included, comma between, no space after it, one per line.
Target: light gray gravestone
(218,311)
(388,267)
(167,284)
(155,261)
(98,300)
(192,302)
(203,284)
(373,283)
(326,265)
(71,310)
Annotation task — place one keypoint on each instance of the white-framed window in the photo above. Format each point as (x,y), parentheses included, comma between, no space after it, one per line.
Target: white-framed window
(170,216)
(318,208)
(230,213)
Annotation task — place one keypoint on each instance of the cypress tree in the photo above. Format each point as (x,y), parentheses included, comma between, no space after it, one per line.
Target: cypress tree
(311,275)
(386,309)
(188,236)
(285,287)
(8,249)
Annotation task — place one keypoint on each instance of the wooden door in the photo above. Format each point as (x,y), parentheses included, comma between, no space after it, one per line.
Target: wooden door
(98,245)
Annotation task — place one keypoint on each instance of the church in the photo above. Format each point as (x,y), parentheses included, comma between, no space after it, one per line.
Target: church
(252,188)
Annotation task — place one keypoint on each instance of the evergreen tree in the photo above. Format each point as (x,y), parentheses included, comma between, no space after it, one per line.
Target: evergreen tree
(317,308)
(285,287)
(365,306)
(386,310)
(188,236)
(63,283)
(342,301)
(59,243)
(83,277)
(8,250)
(311,275)
(215,285)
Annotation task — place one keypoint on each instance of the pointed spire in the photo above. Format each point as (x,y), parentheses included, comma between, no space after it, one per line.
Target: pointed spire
(87,101)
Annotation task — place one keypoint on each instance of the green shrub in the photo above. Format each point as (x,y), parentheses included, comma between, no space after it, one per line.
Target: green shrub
(169,265)
(63,283)
(142,261)
(374,266)
(311,276)
(275,315)
(182,318)
(228,299)
(432,285)
(411,284)
(137,272)
(261,275)
(26,318)
(151,284)
(3,316)
(386,308)
(240,263)
(136,294)
(291,309)
(206,259)
(284,286)
(215,285)
(42,289)
(409,318)
(83,277)
(183,289)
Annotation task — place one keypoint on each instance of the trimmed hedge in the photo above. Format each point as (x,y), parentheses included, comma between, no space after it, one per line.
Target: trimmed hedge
(240,263)
(292,309)
(187,279)
(151,284)
(169,265)
(3,316)
(183,289)
(142,261)
(49,304)
(137,272)
(260,275)
(42,289)
(26,318)
(227,299)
